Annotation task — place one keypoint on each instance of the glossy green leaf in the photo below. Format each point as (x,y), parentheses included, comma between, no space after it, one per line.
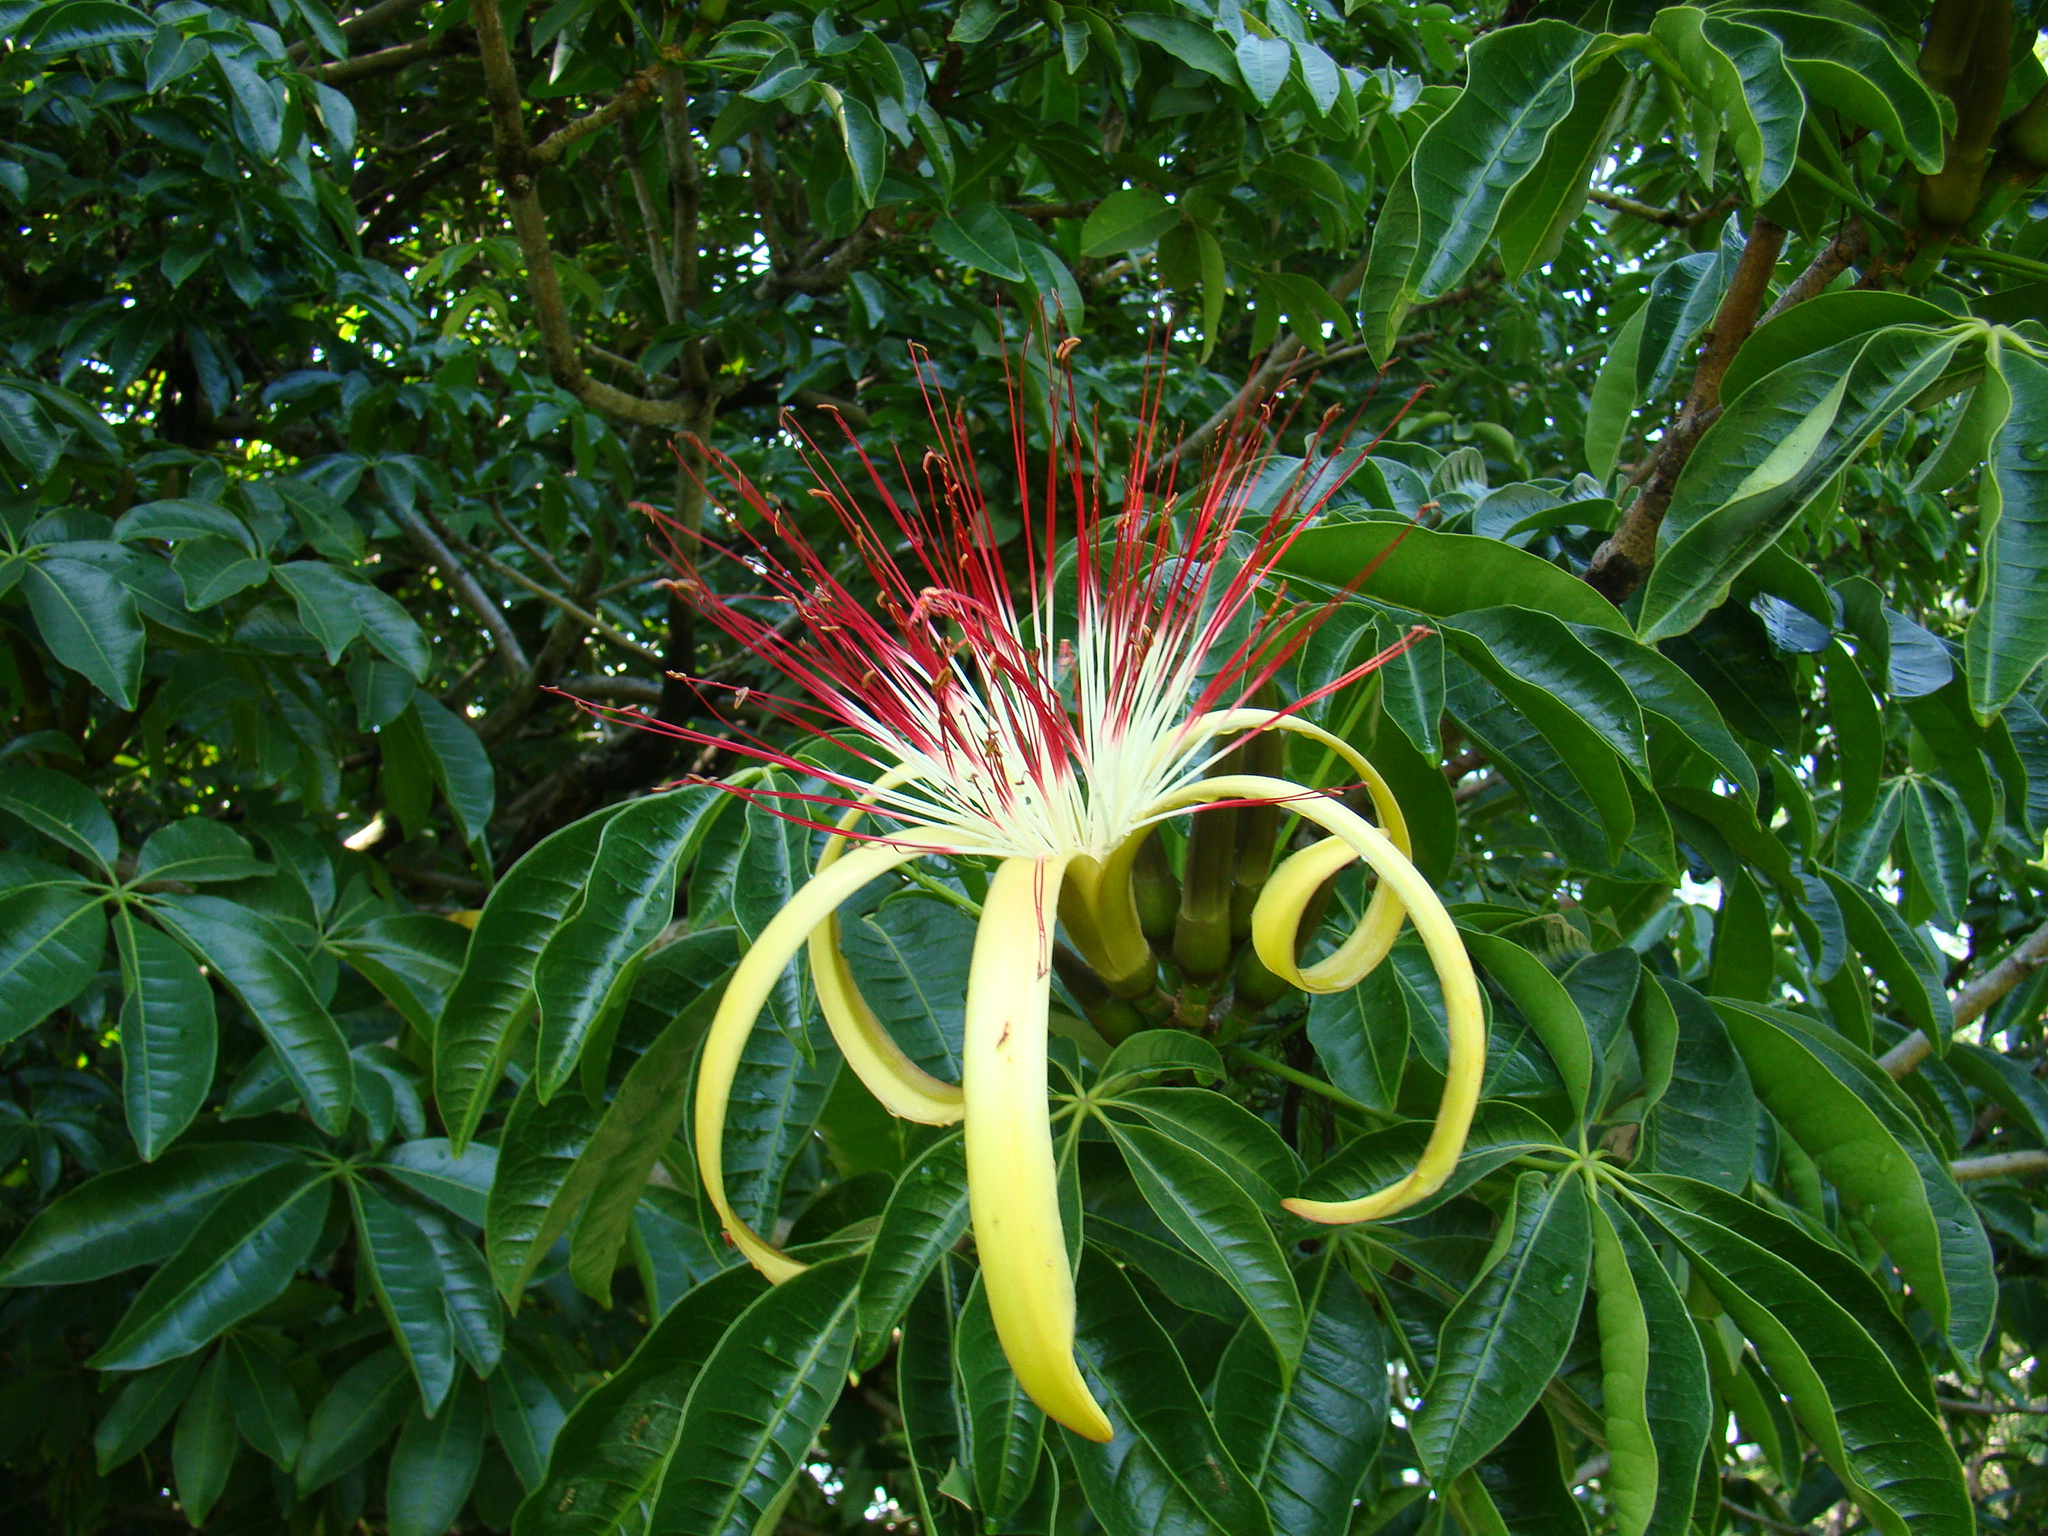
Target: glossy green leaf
(1855,1124)
(759,1401)
(460,767)
(1441,574)
(413,958)
(1740,72)
(934,1432)
(276,986)
(1844,60)
(1518,88)
(1005,1430)
(614,1449)
(52,939)
(1938,844)
(533,1199)
(234,1262)
(357,1415)
(196,850)
(2007,636)
(926,1215)
(136,1215)
(1209,1212)
(979,236)
(1662,688)
(1545,202)
(1361,1037)
(1521,1482)
(1705,1123)
(910,959)
(1897,955)
(62,809)
(142,1410)
(435,1462)
(1226,1134)
(1655,1402)
(429,1166)
(1167,1469)
(525,1416)
(1682,301)
(89,620)
(1769,454)
(636,1130)
(326,603)
(265,1408)
(481,1020)
(1551,1012)
(1310,1441)
(1613,401)
(1162,1050)
(204,1445)
(1822,322)
(587,967)
(1869,1427)
(1508,1333)
(168,1036)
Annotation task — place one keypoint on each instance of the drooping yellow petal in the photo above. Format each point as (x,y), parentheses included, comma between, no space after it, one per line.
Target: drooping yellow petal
(746,994)
(1012,1179)
(904,1088)
(1464,1015)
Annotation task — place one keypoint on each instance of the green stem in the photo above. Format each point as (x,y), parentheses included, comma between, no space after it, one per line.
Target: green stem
(1314,1085)
(1847,195)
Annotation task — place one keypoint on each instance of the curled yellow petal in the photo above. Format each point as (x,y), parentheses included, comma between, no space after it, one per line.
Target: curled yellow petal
(904,1088)
(1012,1179)
(745,995)
(1464,1016)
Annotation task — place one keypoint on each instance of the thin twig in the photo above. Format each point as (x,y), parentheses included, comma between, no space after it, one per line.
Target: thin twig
(2000,1165)
(632,95)
(1975,1000)
(1989,1410)
(361,22)
(511,655)
(1670,218)
(1765,1521)
(575,610)
(385,60)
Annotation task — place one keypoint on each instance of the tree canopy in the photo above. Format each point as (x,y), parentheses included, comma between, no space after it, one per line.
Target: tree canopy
(1664,389)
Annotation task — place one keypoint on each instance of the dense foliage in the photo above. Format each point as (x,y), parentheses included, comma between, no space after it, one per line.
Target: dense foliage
(352,976)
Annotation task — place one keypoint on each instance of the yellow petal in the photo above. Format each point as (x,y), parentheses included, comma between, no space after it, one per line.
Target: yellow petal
(1012,1180)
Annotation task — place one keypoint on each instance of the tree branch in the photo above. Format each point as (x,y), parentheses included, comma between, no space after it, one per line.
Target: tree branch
(2000,1165)
(516,172)
(1621,563)
(1670,218)
(511,656)
(575,610)
(1975,1000)
(386,60)
(361,22)
(632,95)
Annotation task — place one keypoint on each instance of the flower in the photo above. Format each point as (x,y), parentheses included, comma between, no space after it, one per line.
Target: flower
(1051,729)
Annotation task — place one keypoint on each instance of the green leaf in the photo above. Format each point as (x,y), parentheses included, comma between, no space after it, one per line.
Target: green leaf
(236,1261)
(978,236)
(1740,72)
(388,627)
(265,1409)
(1884,1445)
(356,1416)
(1208,1211)
(1508,1333)
(614,1450)
(1898,957)
(932,1427)
(1127,220)
(1518,88)
(1521,1483)
(1194,45)
(926,1215)
(51,941)
(759,1402)
(1704,1125)
(185,518)
(1501,1132)
(256,961)
(1613,401)
(481,1021)
(1361,1037)
(1682,301)
(204,1446)
(866,149)
(1823,321)
(2008,634)
(1654,1393)
(413,958)
(430,1167)
(142,1410)
(1227,1134)
(89,621)
(1162,1050)
(526,1417)
(1662,688)
(1550,198)
(637,1128)
(260,123)
(1316,1440)
(326,600)
(435,1462)
(399,1261)
(1938,843)
(1850,65)
(1265,63)
(532,1199)
(1005,1430)
(1770,453)
(588,966)
(1857,1126)
(1441,574)
(62,809)
(136,1215)
(197,850)
(1168,1469)
(1551,1012)
(168,1036)
(460,766)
